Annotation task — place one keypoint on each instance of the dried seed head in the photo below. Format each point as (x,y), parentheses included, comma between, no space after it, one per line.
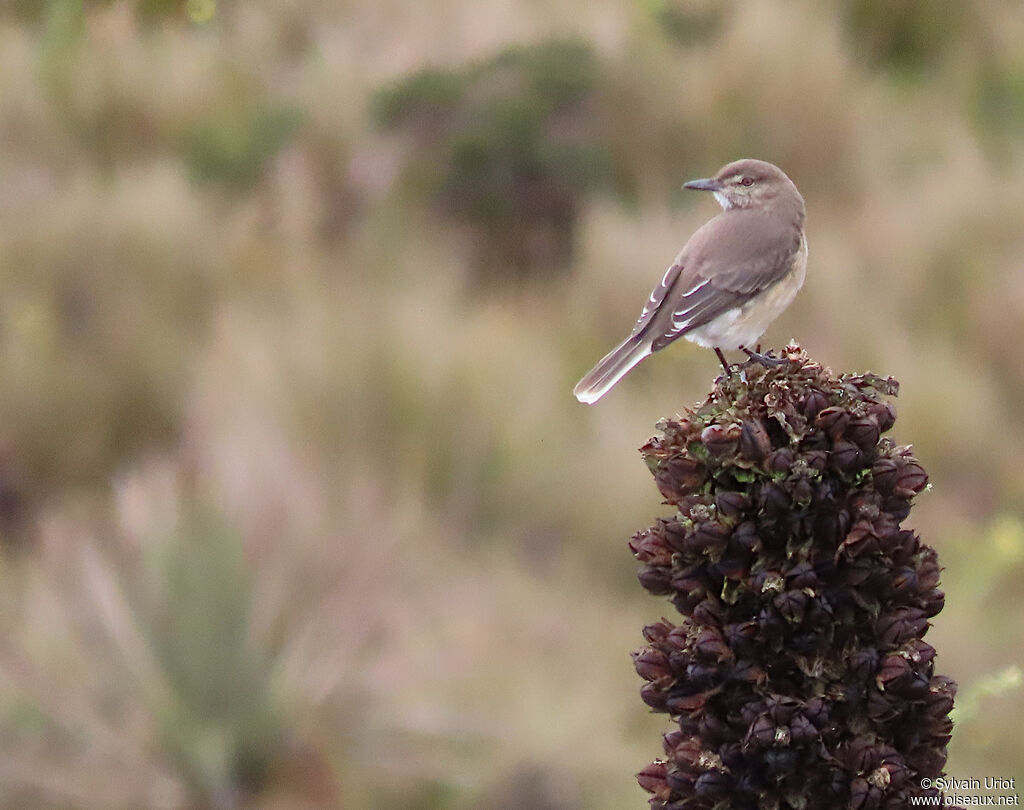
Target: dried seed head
(832,421)
(864,432)
(755,443)
(721,440)
(797,675)
(652,779)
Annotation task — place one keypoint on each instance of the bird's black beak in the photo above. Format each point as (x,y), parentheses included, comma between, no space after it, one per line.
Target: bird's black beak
(707,184)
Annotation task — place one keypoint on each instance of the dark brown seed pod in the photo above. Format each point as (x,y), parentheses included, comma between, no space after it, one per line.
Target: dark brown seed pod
(798,675)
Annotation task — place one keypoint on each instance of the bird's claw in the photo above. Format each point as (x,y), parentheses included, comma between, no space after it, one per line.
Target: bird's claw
(766,360)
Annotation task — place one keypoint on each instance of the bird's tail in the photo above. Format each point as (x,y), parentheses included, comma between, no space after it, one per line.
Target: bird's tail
(612,368)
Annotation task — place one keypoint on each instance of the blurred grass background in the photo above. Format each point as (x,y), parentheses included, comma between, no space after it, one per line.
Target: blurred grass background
(296,505)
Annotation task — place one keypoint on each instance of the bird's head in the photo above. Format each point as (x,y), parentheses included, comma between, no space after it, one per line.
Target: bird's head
(748,183)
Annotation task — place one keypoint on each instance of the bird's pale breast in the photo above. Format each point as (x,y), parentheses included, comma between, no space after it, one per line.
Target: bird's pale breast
(743,325)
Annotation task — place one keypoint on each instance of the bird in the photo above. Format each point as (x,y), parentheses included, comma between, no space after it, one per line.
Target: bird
(733,277)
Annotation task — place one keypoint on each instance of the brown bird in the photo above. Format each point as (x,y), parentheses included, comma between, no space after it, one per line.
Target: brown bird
(734,276)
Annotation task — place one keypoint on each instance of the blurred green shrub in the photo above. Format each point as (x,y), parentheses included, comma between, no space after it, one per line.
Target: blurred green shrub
(142,652)
(218,719)
(105,300)
(508,147)
(905,35)
(997,104)
(155,9)
(235,148)
(63,24)
(35,11)
(38,11)
(689,22)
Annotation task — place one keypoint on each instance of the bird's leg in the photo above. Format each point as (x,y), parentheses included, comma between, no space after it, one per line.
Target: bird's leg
(723,361)
(765,360)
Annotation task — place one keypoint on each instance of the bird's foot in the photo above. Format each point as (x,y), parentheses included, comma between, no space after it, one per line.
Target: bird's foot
(723,361)
(766,360)
(730,368)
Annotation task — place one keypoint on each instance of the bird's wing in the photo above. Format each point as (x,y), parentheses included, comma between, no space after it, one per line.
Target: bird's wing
(728,261)
(657,299)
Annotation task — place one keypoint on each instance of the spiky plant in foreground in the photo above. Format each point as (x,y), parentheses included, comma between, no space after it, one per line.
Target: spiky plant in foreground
(798,674)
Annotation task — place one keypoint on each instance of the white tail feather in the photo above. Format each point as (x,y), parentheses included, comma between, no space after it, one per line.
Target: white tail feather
(611,368)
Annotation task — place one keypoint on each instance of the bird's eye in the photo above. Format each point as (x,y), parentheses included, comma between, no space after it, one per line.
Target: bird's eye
(747,181)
